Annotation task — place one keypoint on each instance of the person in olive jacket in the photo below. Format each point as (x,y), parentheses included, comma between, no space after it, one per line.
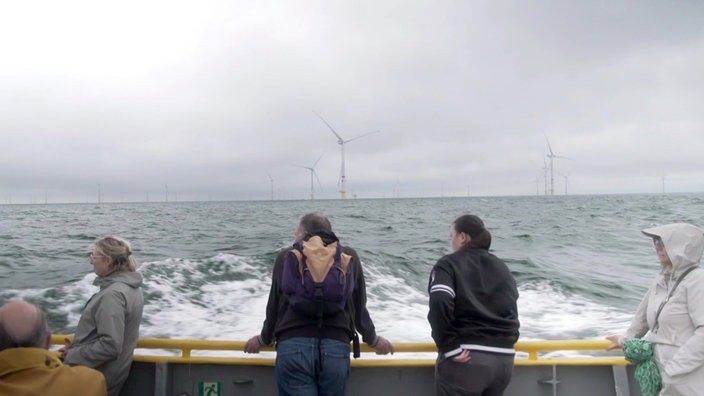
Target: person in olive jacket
(108,330)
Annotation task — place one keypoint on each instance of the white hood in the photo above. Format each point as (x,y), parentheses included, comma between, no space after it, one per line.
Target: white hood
(683,242)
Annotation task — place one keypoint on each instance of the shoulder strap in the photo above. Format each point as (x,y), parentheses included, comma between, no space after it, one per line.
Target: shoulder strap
(350,309)
(301,260)
(672,291)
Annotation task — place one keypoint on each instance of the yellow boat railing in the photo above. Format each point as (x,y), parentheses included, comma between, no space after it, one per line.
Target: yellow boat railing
(530,353)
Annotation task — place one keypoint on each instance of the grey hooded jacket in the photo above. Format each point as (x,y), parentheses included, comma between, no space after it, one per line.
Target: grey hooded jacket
(108,330)
(679,338)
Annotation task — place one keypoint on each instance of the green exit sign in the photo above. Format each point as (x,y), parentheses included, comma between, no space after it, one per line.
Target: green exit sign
(209,389)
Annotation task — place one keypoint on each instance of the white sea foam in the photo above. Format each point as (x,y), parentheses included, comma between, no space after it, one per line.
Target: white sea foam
(213,309)
(187,302)
(546,313)
(399,311)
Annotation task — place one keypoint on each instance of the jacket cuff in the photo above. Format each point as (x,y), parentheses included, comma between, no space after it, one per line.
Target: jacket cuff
(453,352)
(374,341)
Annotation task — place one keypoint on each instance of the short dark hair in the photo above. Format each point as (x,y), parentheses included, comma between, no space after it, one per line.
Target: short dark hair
(314,222)
(33,339)
(474,227)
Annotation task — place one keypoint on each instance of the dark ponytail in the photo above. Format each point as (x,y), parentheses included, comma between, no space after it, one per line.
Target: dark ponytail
(473,226)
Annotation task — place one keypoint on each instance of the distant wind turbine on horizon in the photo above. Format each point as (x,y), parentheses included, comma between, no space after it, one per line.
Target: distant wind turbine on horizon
(545,177)
(271,179)
(565,177)
(312,172)
(342,142)
(552,155)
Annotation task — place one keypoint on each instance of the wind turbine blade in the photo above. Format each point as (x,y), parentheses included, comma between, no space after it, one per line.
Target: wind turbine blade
(316,161)
(340,140)
(549,148)
(317,178)
(360,136)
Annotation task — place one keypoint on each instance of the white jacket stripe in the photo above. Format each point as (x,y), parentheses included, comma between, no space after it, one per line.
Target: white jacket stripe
(442,288)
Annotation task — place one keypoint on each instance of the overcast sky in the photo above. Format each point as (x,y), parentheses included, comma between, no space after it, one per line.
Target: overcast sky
(214,99)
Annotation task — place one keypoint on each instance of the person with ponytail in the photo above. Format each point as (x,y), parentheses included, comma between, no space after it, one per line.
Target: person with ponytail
(108,329)
(473,314)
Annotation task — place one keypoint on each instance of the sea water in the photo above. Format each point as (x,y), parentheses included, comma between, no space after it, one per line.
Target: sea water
(581,262)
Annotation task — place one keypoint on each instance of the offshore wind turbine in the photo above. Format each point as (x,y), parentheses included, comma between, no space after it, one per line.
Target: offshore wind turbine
(565,177)
(312,172)
(552,155)
(343,180)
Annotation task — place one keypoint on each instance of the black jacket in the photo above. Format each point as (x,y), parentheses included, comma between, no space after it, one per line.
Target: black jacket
(472,301)
(282,322)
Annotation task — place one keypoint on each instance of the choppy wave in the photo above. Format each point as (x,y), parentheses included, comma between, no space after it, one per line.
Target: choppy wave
(580,262)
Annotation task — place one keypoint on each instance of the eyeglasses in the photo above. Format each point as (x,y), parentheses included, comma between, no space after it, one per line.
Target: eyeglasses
(657,241)
(95,256)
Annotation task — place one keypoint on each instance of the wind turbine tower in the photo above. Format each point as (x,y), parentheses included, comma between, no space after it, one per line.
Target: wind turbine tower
(342,142)
(271,179)
(545,177)
(552,155)
(312,172)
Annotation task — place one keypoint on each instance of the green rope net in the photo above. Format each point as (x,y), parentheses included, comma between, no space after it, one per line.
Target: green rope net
(640,353)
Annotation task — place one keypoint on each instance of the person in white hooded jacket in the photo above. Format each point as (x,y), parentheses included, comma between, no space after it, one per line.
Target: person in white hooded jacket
(678,337)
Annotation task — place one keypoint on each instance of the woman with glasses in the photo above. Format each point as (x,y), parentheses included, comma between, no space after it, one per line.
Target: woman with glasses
(671,315)
(108,330)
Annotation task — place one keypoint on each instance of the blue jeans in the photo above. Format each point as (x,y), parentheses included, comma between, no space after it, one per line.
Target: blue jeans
(308,366)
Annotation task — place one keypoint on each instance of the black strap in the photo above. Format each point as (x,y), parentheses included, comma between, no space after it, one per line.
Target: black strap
(356,352)
(672,291)
(318,297)
(350,309)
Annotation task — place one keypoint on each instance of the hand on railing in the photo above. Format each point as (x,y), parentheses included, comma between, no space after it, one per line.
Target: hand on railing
(64,349)
(383,346)
(615,342)
(253,345)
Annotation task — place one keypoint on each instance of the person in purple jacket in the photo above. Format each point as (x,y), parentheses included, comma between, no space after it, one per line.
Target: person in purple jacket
(313,353)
